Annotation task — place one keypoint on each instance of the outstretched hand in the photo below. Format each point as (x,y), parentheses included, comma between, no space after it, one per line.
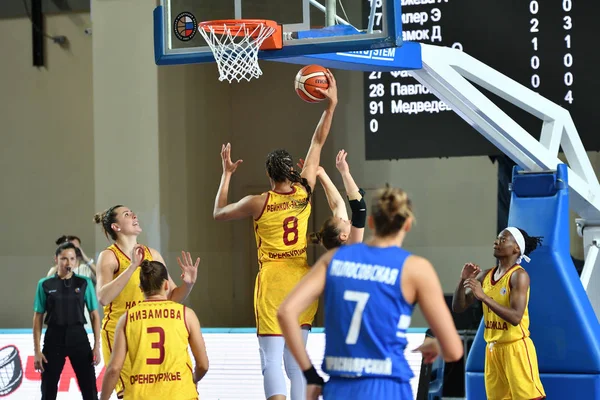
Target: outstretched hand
(340,162)
(189,270)
(229,167)
(331,91)
(430,350)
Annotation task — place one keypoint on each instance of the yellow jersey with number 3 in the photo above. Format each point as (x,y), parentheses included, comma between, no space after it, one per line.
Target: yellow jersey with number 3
(157,347)
(281,228)
(496,329)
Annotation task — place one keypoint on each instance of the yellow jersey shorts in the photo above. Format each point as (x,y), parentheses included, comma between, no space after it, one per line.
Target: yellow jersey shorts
(274,282)
(511,371)
(108,339)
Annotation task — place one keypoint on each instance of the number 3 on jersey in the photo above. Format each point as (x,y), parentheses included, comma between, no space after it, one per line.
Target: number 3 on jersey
(361,299)
(159,345)
(290,231)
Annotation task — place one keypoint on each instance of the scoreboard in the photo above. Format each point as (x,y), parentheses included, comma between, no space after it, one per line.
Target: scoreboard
(549,46)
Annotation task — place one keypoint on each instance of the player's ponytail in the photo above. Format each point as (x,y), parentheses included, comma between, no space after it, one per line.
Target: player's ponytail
(280,167)
(153,274)
(531,242)
(328,235)
(315,237)
(297,178)
(391,210)
(106,219)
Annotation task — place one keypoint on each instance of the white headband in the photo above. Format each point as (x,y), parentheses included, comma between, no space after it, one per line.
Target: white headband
(520,241)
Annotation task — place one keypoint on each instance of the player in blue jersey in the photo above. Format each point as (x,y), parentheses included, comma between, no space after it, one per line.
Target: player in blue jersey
(370,291)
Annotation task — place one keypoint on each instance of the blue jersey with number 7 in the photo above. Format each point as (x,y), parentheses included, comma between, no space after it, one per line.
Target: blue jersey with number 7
(366,316)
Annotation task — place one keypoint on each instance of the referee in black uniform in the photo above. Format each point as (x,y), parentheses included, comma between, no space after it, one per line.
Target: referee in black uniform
(62,297)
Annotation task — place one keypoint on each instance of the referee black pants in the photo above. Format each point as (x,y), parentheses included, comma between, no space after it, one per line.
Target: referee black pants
(58,345)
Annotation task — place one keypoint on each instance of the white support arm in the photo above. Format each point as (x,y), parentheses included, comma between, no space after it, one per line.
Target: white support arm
(445,72)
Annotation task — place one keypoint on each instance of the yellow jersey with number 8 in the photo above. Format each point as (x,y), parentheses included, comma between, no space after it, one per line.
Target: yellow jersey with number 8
(281,243)
(281,228)
(157,347)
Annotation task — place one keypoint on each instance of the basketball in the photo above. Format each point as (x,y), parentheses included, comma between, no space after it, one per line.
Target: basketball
(307,80)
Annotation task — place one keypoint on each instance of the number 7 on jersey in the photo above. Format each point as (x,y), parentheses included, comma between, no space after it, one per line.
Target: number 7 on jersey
(361,299)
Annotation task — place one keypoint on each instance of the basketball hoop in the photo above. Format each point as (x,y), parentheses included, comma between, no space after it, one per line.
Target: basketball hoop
(235,44)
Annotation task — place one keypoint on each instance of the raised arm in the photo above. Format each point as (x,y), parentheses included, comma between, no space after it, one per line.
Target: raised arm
(88,261)
(420,281)
(107,287)
(189,273)
(196,344)
(313,157)
(249,206)
(355,198)
(334,198)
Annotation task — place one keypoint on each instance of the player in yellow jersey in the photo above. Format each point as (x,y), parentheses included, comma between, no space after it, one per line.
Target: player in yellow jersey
(511,369)
(154,337)
(280,225)
(118,276)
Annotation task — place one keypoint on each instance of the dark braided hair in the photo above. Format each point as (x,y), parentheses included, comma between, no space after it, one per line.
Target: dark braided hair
(280,167)
(106,219)
(531,242)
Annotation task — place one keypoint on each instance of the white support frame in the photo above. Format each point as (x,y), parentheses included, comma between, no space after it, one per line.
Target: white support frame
(445,72)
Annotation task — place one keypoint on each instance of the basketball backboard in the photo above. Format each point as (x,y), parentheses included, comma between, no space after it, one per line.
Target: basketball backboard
(309,26)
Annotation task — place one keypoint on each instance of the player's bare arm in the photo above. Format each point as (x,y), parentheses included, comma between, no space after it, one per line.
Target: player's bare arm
(420,284)
(196,344)
(354,196)
(189,273)
(249,206)
(313,157)
(117,359)
(334,198)
(519,282)
(108,287)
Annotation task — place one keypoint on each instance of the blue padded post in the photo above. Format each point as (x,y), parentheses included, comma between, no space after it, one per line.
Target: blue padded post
(563,327)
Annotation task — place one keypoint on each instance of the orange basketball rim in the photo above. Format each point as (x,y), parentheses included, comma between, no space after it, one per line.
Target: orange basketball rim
(246,27)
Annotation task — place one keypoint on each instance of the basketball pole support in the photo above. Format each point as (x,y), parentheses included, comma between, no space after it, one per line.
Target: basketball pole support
(330,12)
(445,72)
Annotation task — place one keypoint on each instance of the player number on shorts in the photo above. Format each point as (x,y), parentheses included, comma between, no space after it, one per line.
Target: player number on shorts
(160,345)
(290,231)
(361,299)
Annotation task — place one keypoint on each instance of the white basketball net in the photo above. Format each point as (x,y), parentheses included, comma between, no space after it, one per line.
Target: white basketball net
(236,49)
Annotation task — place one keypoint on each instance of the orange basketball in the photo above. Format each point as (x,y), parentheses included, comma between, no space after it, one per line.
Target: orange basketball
(307,80)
